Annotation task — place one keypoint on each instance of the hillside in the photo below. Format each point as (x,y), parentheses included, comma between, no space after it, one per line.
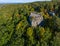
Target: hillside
(16,30)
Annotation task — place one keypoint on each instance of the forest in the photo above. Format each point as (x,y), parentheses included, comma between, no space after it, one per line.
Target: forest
(15,29)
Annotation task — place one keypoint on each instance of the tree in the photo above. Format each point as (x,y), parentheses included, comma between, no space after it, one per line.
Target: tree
(58,22)
(56,40)
(6,30)
(44,35)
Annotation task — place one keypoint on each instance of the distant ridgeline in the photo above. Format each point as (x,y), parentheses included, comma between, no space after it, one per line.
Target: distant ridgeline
(56,0)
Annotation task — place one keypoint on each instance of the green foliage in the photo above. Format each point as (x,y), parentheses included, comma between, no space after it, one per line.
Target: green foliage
(16,31)
(58,22)
(6,30)
(56,39)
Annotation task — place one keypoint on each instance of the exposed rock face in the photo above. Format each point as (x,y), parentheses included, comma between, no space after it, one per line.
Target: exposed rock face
(36,19)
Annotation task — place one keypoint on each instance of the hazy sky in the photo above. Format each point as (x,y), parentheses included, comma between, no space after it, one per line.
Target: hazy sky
(19,1)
